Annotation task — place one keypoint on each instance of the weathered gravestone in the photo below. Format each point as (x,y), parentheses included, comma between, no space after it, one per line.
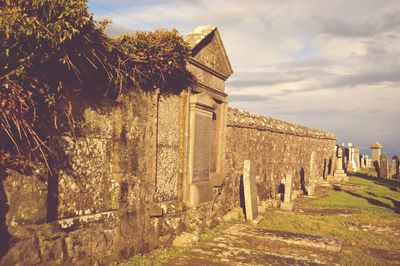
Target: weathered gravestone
(201,112)
(394,167)
(333,162)
(376,152)
(250,192)
(368,163)
(287,204)
(339,175)
(362,161)
(384,166)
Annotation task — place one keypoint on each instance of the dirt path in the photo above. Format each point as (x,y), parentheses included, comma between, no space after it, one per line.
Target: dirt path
(245,244)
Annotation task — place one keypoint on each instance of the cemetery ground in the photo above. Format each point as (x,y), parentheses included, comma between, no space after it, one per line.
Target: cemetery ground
(352,223)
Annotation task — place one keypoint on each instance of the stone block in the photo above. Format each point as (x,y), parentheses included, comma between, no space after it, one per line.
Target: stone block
(201,192)
(185,240)
(24,252)
(26,196)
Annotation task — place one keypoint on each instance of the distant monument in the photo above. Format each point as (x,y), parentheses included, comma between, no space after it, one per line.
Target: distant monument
(384,166)
(394,167)
(339,175)
(353,159)
(375,158)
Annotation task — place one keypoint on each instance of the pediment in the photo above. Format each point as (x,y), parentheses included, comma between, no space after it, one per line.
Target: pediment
(209,51)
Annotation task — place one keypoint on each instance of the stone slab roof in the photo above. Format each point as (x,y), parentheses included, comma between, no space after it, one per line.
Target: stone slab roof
(243,119)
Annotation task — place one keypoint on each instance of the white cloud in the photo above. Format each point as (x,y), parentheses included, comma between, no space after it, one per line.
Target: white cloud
(333,65)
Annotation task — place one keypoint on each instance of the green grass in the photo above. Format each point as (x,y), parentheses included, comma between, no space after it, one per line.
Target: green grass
(377,202)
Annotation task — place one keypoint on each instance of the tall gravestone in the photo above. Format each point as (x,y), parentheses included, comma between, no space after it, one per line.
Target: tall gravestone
(287,204)
(384,167)
(367,161)
(205,121)
(376,148)
(357,158)
(201,112)
(340,174)
(362,162)
(250,192)
(351,163)
(333,161)
(394,167)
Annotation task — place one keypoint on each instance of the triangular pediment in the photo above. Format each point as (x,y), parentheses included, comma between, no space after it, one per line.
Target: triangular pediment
(208,50)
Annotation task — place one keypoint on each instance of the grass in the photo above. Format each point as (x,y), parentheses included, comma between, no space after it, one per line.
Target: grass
(164,254)
(376,202)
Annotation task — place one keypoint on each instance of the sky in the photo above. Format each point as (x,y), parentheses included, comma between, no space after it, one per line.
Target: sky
(332,65)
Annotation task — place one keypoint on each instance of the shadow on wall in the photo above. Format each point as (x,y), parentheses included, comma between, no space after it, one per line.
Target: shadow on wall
(303,181)
(241,195)
(4,208)
(330,165)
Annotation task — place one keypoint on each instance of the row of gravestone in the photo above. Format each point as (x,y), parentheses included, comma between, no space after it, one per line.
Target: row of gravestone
(382,168)
(250,193)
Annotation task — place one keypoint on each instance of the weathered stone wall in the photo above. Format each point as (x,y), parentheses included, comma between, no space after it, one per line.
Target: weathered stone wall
(96,205)
(275,148)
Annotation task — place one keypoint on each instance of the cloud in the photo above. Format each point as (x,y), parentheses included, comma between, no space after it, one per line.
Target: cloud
(367,28)
(330,65)
(232,98)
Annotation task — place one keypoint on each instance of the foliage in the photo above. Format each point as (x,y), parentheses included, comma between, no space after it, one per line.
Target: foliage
(53,51)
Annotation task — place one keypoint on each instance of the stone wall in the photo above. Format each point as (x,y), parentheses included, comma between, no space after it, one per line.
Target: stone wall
(96,204)
(135,174)
(275,148)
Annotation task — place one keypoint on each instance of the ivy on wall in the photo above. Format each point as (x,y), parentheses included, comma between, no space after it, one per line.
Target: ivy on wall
(52,50)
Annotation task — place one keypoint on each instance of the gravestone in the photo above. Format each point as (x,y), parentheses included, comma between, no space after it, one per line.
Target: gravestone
(394,167)
(375,153)
(367,162)
(357,158)
(201,112)
(333,161)
(206,127)
(250,192)
(362,161)
(340,175)
(351,164)
(287,204)
(384,167)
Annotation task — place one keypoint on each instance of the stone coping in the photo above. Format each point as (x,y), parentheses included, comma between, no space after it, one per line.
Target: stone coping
(243,119)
